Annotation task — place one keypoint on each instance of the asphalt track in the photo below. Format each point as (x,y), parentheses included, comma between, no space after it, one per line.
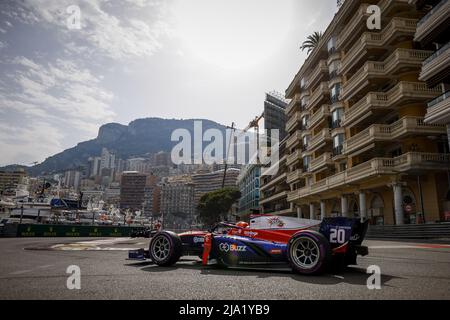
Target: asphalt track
(35,268)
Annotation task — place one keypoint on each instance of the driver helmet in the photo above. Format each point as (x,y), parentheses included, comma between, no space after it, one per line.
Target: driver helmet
(242,224)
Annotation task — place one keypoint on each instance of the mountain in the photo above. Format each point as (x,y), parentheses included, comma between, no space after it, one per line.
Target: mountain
(138,138)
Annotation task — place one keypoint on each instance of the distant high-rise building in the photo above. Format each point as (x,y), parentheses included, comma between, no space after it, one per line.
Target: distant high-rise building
(132,190)
(10,180)
(108,160)
(151,196)
(248,183)
(274,113)
(94,166)
(177,199)
(212,181)
(72,179)
(162,159)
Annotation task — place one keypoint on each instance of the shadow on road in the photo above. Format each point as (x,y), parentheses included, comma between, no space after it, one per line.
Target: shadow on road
(351,275)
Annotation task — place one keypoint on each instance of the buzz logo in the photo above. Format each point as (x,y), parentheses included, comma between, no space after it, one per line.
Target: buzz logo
(225,247)
(199,240)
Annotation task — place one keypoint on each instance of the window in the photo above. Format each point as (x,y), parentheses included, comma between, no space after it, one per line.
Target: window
(306,162)
(303,83)
(304,101)
(338,142)
(336,117)
(305,121)
(333,68)
(306,140)
(332,45)
(335,92)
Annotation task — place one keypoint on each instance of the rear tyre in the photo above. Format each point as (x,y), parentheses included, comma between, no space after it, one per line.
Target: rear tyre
(165,248)
(308,252)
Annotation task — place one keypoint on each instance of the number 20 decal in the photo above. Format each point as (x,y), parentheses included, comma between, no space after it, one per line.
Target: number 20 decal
(337,235)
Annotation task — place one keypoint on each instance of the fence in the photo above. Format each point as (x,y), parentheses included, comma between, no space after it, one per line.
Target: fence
(412,231)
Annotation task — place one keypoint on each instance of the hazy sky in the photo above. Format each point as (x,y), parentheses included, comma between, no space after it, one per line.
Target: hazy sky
(132,59)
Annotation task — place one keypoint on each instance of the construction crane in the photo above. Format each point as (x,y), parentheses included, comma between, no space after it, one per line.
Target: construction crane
(253,124)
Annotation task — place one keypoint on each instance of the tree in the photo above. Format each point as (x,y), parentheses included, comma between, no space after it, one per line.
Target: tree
(311,41)
(214,204)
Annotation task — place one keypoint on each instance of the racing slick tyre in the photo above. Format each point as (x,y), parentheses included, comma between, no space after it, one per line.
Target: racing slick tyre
(308,252)
(165,248)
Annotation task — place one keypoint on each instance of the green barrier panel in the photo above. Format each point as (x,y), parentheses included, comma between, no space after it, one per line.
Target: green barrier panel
(55,230)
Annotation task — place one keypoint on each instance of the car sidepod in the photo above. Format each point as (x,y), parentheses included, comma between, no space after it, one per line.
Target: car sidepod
(235,251)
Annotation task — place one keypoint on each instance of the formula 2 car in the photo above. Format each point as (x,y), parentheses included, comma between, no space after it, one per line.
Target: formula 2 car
(306,246)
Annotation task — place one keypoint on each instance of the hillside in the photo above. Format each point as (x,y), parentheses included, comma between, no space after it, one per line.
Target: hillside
(140,137)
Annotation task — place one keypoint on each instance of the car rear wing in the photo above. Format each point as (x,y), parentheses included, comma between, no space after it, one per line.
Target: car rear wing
(341,230)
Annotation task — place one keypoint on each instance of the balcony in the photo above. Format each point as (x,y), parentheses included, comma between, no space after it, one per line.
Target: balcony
(397,28)
(274,197)
(439,110)
(436,67)
(382,132)
(434,20)
(275,181)
(321,162)
(403,93)
(400,60)
(295,102)
(318,95)
(294,176)
(294,157)
(293,121)
(320,115)
(294,139)
(412,161)
(317,74)
(353,28)
(320,139)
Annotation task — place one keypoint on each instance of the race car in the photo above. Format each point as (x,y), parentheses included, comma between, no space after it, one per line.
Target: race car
(306,246)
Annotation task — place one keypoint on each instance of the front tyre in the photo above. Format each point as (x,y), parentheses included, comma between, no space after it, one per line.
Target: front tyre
(308,252)
(165,248)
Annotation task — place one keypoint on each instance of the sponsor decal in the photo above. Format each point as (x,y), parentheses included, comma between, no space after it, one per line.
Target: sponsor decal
(276,221)
(275,251)
(199,240)
(226,247)
(248,233)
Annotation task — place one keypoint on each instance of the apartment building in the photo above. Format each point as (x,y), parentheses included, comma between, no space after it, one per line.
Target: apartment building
(11,179)
(274,188)
(433,33)
(212,181)
(274,113)
(177,199)
(132,190)
(248,184)
(358,144)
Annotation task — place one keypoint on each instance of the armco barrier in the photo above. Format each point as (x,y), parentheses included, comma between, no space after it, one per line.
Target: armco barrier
(49,230)
(412,231)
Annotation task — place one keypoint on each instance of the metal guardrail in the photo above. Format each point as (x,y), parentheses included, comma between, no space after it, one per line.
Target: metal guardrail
(57,230)
(412,231)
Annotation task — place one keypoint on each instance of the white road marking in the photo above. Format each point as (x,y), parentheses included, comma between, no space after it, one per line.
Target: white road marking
(20,272)
(421,246)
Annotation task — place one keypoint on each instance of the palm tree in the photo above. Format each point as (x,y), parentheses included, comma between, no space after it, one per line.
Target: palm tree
(311,41)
